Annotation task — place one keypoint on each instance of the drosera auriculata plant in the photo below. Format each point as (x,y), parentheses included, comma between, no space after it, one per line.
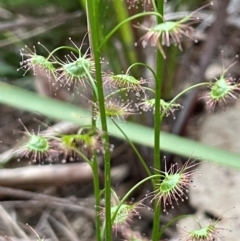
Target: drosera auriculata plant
(169,186)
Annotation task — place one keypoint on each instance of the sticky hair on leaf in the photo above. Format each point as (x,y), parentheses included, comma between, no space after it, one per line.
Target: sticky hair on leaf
(76,70)
(36,63)
(169,32)
(37,146)
(222,91)
(124,81)
(173,186)
(118,109)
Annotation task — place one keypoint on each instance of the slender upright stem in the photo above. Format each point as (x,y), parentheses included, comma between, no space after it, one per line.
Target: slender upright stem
(97,197)
(93,21)
(157,128)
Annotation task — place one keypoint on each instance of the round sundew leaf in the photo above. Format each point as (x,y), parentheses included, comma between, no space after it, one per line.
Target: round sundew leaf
(114,112)
(88,140)
(123,213)
(220,88)
(42,61)
(68,140)
(38,143)
(126,78)
(151,102)
(204,233)
(78,68)
(117,109)
(165,27)
(170,182)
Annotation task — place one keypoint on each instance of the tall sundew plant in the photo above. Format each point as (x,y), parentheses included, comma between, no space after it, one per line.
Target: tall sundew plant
(174,184)
(170,186)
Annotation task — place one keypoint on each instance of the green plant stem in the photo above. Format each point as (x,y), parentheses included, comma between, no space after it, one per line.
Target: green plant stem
(62,47)
(124,89)
(97,194)
(93,21)
(83,156)
(95,92)
(144,65)
(180,94)
(115,200)
(125,21)
(97,197)
(172,221)
(127,36)
(131,190)
(95,165)
(115,92)
(134,148)
(58,110)
(157,128)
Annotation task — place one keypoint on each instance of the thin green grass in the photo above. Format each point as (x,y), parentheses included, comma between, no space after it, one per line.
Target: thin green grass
(29,101)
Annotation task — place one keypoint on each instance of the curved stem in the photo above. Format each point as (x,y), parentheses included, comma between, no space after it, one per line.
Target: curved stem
(115,195)
(134,148)
(146,66)
(115,92)
(142,64)
(92,83)
(149,89)
(83,156)
(97,194)
(130,191)
(125,21)
(123,89)
(180,94)
(173,221)
(62,47)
